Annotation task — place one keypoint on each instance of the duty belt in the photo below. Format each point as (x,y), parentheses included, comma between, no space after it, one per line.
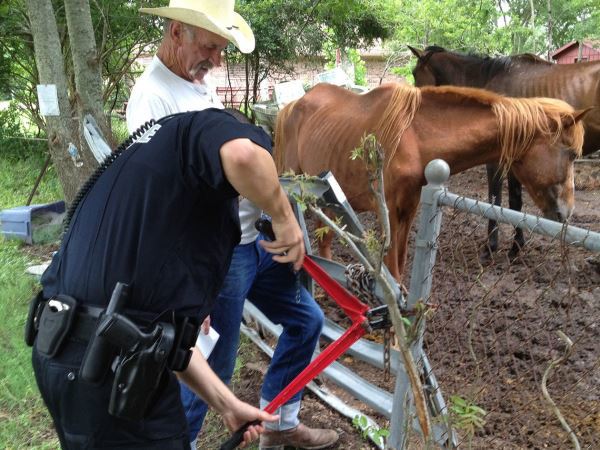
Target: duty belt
(138,355)
(85,323)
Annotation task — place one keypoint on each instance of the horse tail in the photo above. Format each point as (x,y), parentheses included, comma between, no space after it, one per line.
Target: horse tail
(279,146)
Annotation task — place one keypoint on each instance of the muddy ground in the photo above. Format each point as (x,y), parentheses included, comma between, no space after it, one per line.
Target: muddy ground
(492,334)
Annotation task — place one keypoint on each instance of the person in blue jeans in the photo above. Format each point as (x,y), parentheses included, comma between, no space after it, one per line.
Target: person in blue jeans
(274,289)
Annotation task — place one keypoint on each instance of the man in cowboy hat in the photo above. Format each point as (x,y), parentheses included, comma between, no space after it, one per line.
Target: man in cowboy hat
(196,32)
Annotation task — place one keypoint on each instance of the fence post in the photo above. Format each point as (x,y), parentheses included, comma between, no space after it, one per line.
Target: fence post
(437,172)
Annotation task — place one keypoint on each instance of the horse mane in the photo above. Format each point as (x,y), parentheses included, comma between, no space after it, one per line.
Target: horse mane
(520,120)
(489,65)
(397,117)
(530,58)
(434,49)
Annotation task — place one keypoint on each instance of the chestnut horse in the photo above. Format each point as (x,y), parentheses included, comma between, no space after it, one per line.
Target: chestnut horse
(537,138)
(523,75)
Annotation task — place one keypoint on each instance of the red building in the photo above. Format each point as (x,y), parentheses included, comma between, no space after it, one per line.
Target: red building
(569,53)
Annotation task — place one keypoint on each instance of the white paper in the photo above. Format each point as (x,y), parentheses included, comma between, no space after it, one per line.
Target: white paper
(48,99)
(288,92)
(206,342)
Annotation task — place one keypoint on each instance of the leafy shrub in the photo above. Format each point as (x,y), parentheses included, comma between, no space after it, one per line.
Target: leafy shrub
(16,142)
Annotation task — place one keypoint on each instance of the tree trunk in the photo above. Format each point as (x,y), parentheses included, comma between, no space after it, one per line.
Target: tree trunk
(580,51)
(533,25)
(86,64)
(549,29)
(256,82)
(62,129)
(246,103)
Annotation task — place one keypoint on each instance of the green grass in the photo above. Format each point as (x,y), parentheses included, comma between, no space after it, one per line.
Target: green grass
(119,129)
(24,420)
(17,177)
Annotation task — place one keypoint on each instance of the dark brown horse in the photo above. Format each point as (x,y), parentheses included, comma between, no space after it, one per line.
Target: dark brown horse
(537,138)
(516,76)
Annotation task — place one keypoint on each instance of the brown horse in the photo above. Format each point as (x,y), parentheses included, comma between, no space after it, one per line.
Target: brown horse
(523,75)
(537,138)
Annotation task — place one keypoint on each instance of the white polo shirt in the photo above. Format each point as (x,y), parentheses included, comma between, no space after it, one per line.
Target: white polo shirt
(159,92)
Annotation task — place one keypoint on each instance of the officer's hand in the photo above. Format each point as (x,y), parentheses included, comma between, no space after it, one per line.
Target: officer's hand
(239,413)
(288,246)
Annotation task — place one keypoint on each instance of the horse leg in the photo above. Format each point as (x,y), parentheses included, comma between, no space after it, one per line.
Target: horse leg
(400,223)
(495,197)
(515,202)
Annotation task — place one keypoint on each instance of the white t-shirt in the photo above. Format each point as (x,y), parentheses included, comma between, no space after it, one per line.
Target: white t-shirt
(158,93)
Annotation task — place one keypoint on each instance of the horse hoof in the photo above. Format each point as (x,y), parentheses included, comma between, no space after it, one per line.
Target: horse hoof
(514,251)
(486,254)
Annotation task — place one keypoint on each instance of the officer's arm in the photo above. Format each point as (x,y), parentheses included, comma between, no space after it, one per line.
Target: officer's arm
(204,382)
(251,171)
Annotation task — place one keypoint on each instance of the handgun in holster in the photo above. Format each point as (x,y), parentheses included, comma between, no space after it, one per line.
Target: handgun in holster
(140,366)
(100,351)
(142,355)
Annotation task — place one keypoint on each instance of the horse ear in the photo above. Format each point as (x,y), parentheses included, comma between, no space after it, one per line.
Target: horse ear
(577,116)
(418,53)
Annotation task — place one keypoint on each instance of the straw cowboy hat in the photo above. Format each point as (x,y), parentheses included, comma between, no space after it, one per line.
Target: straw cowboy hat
(217,16)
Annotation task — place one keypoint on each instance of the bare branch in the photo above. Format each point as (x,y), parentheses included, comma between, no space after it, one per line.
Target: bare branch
(557,413)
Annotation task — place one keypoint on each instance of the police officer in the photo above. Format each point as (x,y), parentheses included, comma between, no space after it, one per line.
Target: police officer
(162,218)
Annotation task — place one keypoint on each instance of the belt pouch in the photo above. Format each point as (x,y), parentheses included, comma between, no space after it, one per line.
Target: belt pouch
(54,324)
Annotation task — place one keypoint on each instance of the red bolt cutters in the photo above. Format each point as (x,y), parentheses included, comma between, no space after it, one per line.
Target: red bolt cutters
(352,306)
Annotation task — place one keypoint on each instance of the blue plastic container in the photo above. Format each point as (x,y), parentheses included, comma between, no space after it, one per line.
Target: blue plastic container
(34,224)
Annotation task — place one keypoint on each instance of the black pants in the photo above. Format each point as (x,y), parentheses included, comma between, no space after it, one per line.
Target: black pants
(80,409)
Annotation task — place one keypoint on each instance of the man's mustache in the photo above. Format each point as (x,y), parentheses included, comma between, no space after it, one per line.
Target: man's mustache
(203,65)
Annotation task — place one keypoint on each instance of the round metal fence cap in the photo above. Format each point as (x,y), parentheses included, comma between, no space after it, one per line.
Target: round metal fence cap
(437,171)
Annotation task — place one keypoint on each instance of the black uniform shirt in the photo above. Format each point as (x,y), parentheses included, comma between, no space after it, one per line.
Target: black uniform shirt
(162,218)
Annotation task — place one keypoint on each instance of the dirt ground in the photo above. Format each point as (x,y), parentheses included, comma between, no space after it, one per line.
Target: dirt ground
(510,310)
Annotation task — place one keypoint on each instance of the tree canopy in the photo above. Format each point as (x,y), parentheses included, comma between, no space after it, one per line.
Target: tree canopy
(497,27)
(286,30)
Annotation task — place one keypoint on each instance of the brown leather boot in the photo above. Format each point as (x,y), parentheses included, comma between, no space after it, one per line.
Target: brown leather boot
(299,437)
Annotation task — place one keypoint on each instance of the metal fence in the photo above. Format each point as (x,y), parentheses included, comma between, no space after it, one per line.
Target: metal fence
(492,339)
(491,334)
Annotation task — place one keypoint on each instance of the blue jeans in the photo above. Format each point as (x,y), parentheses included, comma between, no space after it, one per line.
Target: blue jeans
(271,287)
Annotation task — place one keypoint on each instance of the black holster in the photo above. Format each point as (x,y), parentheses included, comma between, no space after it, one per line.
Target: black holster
(139,371)
(142,355)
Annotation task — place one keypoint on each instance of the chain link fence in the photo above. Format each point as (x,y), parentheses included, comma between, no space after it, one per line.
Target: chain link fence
(492,338)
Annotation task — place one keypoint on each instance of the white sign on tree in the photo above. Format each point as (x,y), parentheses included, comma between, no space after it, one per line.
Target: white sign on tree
(48,99)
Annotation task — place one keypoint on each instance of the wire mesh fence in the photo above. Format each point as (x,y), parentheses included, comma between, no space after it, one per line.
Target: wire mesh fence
(492,340)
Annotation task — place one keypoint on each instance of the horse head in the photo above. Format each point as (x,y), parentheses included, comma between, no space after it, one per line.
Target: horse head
(437,66)
(425,74)
(546,167)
